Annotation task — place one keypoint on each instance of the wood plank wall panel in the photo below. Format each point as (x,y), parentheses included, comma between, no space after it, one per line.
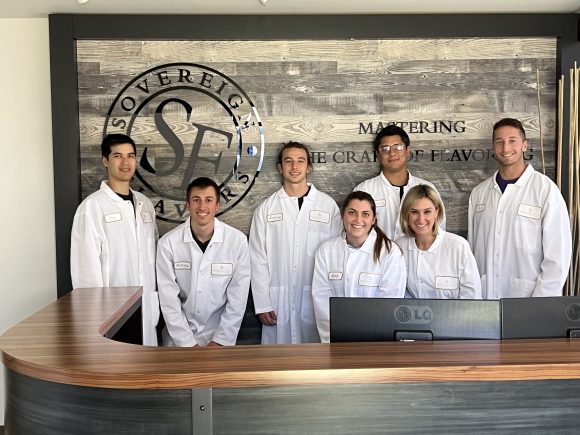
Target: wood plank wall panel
(321,93)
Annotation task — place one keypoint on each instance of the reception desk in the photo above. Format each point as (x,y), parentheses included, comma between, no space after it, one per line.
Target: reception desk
(65,375)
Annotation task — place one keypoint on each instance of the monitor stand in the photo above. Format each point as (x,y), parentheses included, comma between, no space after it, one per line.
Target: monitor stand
(414,336)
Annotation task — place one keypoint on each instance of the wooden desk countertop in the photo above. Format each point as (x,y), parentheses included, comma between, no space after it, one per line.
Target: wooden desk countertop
(64,343)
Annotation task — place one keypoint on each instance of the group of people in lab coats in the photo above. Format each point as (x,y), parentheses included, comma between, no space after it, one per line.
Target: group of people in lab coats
(387,240)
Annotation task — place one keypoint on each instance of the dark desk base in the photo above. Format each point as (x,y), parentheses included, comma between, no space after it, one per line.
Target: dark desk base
(531,407)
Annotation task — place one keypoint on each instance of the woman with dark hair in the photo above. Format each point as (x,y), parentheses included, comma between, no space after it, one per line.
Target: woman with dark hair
(362,262)
(440,265)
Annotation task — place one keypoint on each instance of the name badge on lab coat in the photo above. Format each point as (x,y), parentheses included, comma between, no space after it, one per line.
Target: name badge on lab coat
(146,216)
(334,276)
(530,211)
(369,279)
(275,217)
(222,268)
(380,202)
(479,208)
(319,216)
(182,265)
(113,217)
(446,282)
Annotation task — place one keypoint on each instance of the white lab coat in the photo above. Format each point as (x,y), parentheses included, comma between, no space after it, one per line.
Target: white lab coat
(342,271)
(388,202)
(521,239)
(283,242)
(447,270)
(203,295)
(113,245)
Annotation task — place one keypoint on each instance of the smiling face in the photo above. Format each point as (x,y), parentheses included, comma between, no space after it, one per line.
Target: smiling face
(509,146)
(202,205)
(422,217)
(121,163)
(358,219)
(294,166)
(393,161)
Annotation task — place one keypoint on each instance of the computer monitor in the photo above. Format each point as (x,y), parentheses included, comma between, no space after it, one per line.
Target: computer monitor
(379,319)
(550,317)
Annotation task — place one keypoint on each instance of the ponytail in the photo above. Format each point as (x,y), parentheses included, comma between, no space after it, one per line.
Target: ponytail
(381,237)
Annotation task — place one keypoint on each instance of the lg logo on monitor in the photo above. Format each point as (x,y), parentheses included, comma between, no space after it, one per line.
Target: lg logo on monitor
(413,314)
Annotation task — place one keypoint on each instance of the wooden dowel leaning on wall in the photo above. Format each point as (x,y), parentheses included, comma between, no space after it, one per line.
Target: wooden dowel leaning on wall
(571,286)
(560,131)
(574,182)
(540,120)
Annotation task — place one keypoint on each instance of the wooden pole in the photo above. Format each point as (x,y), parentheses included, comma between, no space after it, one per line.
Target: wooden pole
(560,131)
(540,120)
(575,179)
(571,273)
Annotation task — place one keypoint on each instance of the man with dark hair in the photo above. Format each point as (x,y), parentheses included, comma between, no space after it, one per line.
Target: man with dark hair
(390,187)
(287,229)
(518,229)
(114,233)
(203,274)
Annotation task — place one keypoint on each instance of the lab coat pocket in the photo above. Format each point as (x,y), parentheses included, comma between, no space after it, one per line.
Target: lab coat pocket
(217,285)
(521,288)
(528,232)
(368,284)
(447,287)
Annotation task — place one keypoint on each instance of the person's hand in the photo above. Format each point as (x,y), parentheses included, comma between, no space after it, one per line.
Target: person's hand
(268,319)
(214,344)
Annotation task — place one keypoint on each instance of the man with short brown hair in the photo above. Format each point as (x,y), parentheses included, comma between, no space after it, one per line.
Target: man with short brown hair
(519,229)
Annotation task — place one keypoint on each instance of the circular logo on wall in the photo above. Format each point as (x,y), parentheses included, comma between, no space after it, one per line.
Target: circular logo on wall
(189,120)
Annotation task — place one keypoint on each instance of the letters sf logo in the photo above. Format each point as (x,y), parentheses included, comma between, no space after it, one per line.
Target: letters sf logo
(188,121)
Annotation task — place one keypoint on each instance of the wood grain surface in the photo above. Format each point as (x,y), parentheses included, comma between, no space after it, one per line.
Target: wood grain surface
(64,343)
(320,92)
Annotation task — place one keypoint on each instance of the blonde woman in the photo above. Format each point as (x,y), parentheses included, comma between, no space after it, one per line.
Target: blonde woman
(440,265)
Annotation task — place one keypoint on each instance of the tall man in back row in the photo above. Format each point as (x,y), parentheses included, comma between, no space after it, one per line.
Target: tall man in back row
(519,228)
(114,233)
(287,229)
(390,187)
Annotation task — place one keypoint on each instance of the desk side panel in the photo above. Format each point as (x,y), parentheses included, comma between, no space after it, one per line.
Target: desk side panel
(36,407)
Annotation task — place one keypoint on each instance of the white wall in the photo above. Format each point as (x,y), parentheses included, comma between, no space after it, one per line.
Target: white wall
(27,257)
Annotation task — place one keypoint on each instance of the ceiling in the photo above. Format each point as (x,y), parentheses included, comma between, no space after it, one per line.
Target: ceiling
(42,8)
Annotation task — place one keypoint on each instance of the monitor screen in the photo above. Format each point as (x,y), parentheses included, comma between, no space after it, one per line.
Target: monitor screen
(551,317)
(379,319)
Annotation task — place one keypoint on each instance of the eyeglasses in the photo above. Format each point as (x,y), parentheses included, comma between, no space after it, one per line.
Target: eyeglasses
(388,148)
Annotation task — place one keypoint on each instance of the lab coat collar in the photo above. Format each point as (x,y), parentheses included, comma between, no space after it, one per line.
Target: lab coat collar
(522,181)
(409,180)
(112,195)
(282,193)
(434,247)
(218,231)
(368,246)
